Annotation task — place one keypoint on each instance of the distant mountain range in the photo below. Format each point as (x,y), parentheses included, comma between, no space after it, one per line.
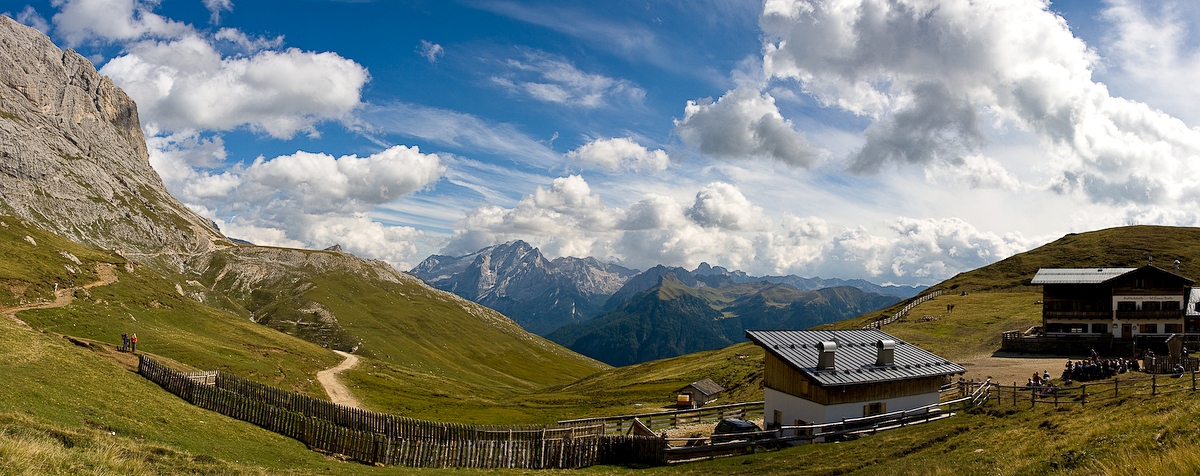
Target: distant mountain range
(674,318)
(516,279)
(543,295)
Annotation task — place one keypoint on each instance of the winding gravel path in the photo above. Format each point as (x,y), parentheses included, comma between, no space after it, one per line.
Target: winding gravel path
(338,392)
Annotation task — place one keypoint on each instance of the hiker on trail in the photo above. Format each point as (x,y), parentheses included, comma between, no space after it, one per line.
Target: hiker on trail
(124,342)
(133,343)
(56,286)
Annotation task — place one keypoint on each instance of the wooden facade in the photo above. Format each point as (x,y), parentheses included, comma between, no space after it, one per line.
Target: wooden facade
(780,376)
(1146,301)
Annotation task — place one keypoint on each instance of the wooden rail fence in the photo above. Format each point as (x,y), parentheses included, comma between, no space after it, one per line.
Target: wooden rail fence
(620,425)
(372,437)
(877,324)
(1094,391)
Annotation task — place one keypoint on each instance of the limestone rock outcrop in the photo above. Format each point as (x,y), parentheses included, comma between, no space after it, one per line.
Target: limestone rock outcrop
(74,161)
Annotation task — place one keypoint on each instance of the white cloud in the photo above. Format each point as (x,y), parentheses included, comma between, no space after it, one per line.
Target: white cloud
(430,51)
(181,80)
(721,205)
(722,226)
(551,79)
(304,199)
(744,123)
(215,7)
(31,18)
(975,171)
(928,71)
(80,21)
(185,83)
(1150,54)
(620,153)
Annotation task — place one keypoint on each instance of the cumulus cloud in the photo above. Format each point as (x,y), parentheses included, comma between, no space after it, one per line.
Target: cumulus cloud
(430,51)
(925,71)
(79,21)
(548,78)
(304,199)
(744,123)
(181,80)
(187,83)
(620,153)
(721,205)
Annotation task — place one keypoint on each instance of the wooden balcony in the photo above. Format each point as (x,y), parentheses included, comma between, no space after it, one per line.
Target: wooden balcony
(1132,315)
(1077,314)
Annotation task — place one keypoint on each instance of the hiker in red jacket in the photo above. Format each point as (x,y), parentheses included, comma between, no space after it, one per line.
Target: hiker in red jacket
(133,343)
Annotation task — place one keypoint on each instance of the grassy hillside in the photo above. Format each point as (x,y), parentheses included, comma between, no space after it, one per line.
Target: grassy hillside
(161,310)
(1129,246)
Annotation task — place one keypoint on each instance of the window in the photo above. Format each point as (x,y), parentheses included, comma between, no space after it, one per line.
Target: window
(877,408)
(1198,307)
(1099,328)
(1171,328)
(1126,306)
(1151,306)
(1148,328)
(1170,305)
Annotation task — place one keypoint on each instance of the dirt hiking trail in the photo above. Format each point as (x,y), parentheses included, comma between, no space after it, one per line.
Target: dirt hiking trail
(338,392)
(64,296)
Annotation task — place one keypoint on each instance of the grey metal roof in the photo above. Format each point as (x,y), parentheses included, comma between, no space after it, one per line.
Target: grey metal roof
(707,387)
(1077,275)
(854,361)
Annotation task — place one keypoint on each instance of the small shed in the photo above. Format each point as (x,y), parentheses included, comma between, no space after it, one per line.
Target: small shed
(698,394)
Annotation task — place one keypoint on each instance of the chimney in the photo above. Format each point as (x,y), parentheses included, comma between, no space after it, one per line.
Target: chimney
(887,352)
(825,359)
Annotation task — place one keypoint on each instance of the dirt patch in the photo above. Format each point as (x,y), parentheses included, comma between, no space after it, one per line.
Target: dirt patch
(1013,368)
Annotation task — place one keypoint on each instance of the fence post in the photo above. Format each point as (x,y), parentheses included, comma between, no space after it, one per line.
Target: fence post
(1193,380)
(1153,384)
(1083,398)
(1116,387)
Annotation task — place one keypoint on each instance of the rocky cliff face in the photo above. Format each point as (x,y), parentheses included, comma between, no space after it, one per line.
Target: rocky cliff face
(73,159)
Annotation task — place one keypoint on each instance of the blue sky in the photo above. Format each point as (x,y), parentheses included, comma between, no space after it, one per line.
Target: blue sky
(899,141)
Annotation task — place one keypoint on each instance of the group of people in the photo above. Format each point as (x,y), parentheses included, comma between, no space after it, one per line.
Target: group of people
(1096,369)
(129,342)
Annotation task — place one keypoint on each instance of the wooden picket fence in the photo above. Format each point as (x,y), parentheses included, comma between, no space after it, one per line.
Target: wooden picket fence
(877,324)
(372,437)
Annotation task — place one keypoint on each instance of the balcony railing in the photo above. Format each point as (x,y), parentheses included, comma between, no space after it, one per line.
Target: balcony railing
(1172,314)
(1077,314)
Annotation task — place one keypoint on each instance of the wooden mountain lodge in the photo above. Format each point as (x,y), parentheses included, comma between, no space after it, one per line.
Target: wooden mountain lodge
(1112,310)
(825,376)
